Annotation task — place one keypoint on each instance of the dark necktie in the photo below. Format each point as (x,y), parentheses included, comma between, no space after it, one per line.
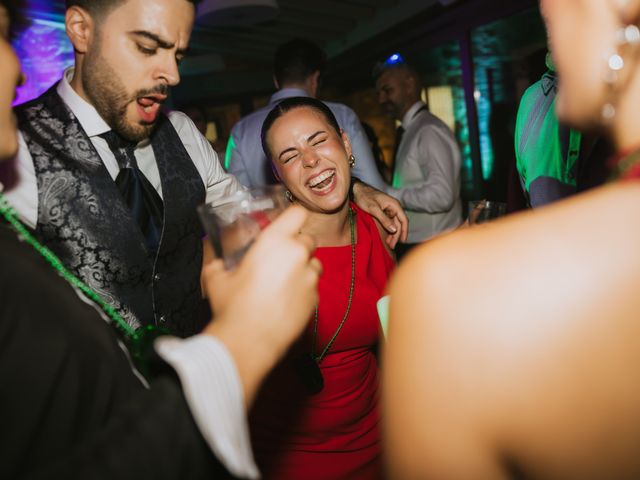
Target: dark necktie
(399,134)
(138,193)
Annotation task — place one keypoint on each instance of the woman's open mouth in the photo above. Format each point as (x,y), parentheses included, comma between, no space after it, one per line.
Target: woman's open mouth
(324,182)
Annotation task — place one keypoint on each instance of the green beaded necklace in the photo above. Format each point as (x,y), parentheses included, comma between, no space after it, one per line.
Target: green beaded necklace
(307,366)
(137,339)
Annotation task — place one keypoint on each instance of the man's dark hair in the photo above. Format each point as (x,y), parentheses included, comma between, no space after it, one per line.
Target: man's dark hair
(296,60)
(99,8)
(289,104)
(17,20)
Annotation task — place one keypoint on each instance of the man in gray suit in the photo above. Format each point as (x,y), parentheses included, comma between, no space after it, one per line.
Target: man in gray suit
(426,175)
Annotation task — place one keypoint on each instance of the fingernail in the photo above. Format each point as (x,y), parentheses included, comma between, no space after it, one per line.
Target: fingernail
(393,229)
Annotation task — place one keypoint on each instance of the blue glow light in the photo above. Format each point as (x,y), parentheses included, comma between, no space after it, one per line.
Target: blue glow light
(394,59)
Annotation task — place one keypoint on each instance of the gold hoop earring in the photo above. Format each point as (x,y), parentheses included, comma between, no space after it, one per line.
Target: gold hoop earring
(288,196)
(352,161)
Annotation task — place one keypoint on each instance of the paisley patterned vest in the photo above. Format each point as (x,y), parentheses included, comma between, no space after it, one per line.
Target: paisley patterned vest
(84,220)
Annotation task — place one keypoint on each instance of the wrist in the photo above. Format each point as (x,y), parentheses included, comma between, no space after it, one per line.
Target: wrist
(352,186)
(253,355)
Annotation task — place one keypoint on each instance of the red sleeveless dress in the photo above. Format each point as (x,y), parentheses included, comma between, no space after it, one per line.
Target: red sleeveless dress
(626,166)
(332,435)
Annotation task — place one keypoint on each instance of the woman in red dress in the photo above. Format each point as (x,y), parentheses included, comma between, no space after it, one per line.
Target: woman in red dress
(316,416)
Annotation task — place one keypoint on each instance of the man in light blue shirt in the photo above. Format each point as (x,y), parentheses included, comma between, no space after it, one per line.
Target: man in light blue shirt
(298,66)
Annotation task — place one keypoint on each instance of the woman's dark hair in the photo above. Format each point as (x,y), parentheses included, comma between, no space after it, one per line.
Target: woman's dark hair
(292,103)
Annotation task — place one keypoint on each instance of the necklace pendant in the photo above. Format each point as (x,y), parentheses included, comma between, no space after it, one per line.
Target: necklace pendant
(309,373)
(141,344)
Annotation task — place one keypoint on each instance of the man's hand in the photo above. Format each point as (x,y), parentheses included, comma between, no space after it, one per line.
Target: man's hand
(263,305)
(387,210)
(473,215)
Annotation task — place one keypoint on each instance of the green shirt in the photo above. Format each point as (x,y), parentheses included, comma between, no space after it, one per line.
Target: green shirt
(546,152)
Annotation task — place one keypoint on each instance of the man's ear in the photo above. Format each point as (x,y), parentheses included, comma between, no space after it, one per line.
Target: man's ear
(80,28)
(412,83)
(313,84)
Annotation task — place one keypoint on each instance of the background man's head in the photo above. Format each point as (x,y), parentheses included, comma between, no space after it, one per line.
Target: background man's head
(198,115)
(127,54)
(398,87)
(299,63)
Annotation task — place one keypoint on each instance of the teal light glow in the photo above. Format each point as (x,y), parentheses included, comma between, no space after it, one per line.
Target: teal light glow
(497,47)
(443,66)
(231,145)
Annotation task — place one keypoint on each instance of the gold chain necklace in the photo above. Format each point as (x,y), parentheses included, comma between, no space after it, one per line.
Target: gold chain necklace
(307,366)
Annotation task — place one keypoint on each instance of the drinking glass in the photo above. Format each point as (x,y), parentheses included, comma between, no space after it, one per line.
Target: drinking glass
(490,210)
(234,224)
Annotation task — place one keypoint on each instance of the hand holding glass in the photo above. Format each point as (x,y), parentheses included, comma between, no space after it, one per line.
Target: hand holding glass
(233,226)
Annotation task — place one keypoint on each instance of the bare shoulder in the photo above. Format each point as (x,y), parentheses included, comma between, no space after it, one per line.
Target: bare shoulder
(573,244)
(505,329)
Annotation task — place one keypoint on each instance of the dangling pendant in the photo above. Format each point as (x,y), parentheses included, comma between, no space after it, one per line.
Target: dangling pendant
(309,373)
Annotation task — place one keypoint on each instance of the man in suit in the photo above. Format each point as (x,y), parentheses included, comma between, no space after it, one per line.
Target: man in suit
(110,183)
(426,175)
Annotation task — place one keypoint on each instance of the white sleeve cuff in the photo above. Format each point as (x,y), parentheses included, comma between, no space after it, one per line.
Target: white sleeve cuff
(213,392)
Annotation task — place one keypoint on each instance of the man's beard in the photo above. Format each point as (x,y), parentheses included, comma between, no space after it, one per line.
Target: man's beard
(109,97)
(390,109)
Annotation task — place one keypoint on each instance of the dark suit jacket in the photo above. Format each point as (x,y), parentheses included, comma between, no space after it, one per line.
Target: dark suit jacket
(70,404)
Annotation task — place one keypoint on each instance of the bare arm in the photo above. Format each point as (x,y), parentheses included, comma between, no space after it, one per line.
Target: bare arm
(523,357)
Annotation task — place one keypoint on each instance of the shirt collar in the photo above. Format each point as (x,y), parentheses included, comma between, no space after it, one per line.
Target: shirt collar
(410,115)
(286,93)
(90,121)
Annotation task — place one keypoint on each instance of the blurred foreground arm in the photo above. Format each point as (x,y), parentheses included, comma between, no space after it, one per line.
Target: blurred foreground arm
(508,366)
(263,305)
(259,309)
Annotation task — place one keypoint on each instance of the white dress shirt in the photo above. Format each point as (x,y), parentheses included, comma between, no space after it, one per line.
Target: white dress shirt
(213,392)
(24,195)
(206,370)
(247,161)
(426,177)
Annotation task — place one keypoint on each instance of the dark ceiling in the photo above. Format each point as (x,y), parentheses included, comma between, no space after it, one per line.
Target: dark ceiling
(232,61)
(227,63)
